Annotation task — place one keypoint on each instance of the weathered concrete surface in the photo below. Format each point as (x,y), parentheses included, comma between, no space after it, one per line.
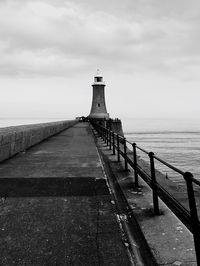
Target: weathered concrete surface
(57,208)
(170,241)
(19,138)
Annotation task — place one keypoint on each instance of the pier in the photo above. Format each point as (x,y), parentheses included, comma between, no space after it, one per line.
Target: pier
(55,206)
(69,200)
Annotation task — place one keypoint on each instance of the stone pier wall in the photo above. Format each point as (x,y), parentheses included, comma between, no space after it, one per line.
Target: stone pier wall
(19,138)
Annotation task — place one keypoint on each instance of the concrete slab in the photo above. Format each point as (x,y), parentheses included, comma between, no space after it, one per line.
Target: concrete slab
(60,231)
(55,206)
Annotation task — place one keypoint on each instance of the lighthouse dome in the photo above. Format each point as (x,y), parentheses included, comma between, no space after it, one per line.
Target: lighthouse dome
(98,79)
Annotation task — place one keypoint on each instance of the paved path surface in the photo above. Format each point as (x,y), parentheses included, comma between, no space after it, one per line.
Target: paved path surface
(56,208)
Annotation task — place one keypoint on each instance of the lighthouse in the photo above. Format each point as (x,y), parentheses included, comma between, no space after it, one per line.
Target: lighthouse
(98,110)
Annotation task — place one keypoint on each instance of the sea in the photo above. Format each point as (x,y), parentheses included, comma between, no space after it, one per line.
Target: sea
(176,141)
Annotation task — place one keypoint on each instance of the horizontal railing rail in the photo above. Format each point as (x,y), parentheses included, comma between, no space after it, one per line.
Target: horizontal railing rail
(118,145)
(169,165)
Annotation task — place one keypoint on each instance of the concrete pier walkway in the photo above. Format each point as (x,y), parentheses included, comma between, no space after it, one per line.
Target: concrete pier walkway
(55,206)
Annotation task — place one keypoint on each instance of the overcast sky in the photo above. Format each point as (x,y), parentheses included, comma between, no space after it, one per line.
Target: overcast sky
(147,50)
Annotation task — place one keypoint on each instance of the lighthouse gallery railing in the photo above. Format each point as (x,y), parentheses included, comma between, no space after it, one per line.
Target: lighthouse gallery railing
(118,144)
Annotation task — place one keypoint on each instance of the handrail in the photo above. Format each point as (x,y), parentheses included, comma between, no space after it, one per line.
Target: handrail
(169,165)
(190,219)
(138,147)
(142,149)
(129,142)
(197,182)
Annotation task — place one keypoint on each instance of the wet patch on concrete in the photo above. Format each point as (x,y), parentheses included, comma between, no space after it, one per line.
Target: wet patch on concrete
(54,187)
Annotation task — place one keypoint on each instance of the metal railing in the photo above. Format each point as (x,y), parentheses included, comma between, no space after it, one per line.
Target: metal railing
(118,145)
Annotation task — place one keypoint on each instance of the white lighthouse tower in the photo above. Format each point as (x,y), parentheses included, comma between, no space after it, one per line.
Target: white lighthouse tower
(98,110)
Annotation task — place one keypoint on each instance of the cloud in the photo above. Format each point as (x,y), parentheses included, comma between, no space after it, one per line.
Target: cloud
(59,37)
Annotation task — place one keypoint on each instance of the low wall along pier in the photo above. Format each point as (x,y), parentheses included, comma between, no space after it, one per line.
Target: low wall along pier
(19,138)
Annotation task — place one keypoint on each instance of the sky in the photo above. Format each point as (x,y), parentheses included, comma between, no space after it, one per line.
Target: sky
(148,52)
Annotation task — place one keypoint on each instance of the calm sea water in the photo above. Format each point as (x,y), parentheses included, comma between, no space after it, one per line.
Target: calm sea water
(173,140)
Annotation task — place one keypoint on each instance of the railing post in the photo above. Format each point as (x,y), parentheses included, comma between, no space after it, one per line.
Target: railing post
(113,135)
(194,215)
(103,132)
(135,164)
(110,139)
(125,156)
(118,149)
(107,137)
(154,184)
